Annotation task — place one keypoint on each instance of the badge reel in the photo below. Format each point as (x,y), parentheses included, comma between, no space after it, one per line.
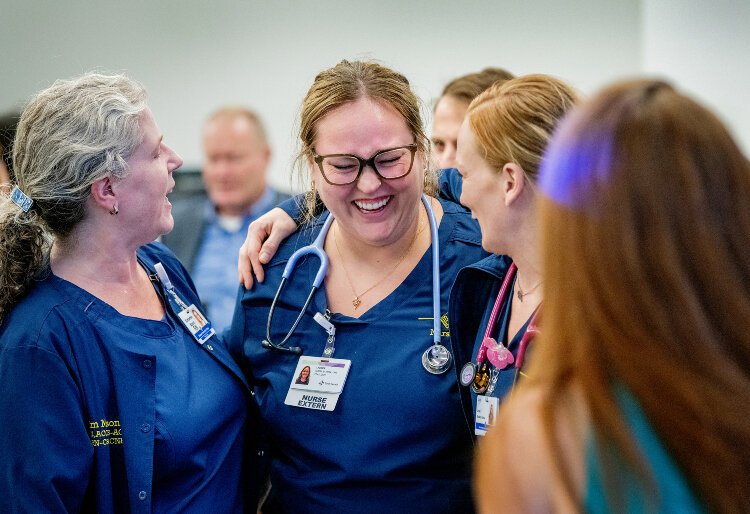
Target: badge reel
(478,375)
(192,318)
(317,382)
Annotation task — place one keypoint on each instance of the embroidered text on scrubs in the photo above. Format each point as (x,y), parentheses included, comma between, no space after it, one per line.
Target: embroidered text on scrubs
(444,321)
(105,432)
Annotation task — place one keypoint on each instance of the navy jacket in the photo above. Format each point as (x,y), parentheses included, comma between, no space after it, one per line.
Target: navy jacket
(471,301)
(78,413)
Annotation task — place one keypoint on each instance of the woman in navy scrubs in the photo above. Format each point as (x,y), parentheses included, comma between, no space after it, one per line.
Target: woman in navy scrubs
(512,122)
(116,395)
(500,145)
(637,395)
(396,439)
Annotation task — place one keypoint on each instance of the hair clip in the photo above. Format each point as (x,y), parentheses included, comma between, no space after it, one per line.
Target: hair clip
(19,198)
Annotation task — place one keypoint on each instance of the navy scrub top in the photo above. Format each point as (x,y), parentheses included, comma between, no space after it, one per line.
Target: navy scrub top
(109,413)
(397,440)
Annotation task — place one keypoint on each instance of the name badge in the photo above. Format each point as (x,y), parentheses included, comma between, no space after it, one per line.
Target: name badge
(196,323)
(317,383)
(486,414)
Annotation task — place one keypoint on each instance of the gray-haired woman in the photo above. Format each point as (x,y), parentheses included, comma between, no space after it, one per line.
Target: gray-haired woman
(116,397)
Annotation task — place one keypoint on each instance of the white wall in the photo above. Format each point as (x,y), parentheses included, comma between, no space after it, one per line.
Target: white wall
(703,47)
(194,55)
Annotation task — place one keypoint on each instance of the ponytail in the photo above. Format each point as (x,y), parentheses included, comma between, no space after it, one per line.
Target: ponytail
(24,252)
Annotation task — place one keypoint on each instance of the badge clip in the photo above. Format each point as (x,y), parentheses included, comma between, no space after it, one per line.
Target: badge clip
(323,321)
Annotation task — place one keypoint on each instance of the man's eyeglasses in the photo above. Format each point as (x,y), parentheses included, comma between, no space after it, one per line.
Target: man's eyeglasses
(345,169)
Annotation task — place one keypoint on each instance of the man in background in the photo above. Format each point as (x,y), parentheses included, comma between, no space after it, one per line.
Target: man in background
(451,107)
(209,230)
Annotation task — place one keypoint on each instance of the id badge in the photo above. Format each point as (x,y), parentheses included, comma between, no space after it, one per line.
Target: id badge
(317,383)
(196,323)
(486,414)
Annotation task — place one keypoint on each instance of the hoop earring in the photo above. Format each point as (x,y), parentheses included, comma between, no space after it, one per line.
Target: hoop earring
(114,210)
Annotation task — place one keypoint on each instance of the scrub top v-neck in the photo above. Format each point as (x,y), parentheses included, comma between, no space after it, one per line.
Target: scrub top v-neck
(397,437)
(200,407)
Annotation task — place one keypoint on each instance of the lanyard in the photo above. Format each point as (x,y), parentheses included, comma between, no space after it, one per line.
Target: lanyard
(164,279)
(529,333)
(501,297)
(192,318)
(477,374)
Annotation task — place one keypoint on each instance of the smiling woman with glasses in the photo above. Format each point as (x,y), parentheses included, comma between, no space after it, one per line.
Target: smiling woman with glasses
(344,169)
(378,427)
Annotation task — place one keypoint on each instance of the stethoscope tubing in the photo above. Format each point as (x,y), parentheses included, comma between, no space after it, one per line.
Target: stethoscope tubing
(436,332)
(529,333)
(502,295)
(317,249)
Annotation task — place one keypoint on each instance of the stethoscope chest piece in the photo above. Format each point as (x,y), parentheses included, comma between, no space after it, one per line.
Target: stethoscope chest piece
(436,359)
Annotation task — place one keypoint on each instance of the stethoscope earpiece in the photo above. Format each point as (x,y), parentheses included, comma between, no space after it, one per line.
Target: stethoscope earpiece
(316,248)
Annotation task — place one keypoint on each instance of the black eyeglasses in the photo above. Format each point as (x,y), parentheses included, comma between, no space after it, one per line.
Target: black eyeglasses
(343,169)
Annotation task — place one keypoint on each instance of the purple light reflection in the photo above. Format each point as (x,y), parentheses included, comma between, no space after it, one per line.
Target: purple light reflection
(576,163)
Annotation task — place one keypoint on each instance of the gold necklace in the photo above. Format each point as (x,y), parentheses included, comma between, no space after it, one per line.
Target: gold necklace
(356,301)
(521,293)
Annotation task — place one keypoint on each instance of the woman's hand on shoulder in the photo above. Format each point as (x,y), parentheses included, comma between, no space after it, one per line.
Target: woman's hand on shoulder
(264,236)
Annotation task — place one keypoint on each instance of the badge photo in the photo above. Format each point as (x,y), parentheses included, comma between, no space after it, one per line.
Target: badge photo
(196,323)
(486,414)
(317,383)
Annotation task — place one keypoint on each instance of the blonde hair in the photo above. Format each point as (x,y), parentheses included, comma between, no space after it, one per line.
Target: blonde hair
(69,135)
(513,120)
(467,87)
(646,225)
(345,83)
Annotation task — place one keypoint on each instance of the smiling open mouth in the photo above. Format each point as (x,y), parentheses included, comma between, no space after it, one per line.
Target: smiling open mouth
(371,206)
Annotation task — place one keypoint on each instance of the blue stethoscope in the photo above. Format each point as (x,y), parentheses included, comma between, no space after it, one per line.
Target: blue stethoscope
(436,359)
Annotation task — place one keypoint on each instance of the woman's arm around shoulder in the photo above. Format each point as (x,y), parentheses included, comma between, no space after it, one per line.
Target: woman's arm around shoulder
(265,234)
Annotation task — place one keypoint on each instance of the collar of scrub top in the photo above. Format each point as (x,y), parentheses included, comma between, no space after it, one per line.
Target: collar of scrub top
(529,333)
(436,359)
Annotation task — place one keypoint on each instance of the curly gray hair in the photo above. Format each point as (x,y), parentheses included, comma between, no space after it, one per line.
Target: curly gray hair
(70,135)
